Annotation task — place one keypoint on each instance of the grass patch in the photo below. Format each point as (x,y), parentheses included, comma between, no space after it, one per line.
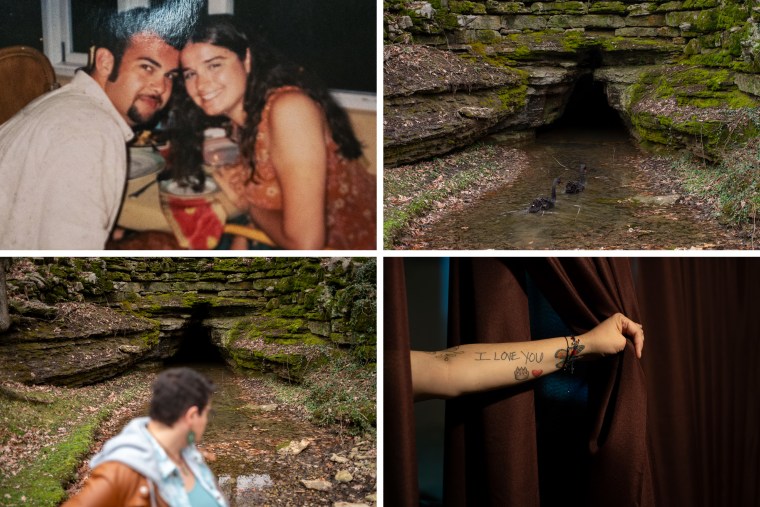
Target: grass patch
(414,191)
(341,393)
(44,444)
(733,185)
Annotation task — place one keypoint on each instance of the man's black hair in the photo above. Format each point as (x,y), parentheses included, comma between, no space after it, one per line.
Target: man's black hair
(173,22)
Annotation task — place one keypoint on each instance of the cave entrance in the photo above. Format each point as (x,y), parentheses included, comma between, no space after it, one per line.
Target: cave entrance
(587,108)
(195,345)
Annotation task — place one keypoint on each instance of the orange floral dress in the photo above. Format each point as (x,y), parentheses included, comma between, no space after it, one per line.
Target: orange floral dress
(350,214)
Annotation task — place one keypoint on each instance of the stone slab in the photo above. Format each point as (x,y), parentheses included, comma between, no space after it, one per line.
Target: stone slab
(748,83)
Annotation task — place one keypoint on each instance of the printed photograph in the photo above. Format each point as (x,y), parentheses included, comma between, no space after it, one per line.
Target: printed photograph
(571,125)
(587,381)
(188,381)
(188,125)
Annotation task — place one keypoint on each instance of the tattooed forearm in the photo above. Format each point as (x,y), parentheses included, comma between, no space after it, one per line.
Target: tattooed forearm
(521,373)
(569,354)
(447,354)
(528,357)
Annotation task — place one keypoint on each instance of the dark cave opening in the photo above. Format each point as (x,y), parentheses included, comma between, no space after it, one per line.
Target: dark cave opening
(587,108)
(195,345)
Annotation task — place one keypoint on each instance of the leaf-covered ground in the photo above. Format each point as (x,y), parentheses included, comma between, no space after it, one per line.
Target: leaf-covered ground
(41,443)
(418,194)
(45,446)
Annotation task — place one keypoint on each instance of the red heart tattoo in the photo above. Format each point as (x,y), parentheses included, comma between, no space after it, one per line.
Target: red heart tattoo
(537,373)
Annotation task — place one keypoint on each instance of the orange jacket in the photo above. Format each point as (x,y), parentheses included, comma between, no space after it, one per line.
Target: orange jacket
(114,484)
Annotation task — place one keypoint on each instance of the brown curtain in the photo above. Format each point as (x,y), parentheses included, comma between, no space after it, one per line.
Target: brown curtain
(703,406)
(400,459)
(490,452)
(703,378)
(491,456)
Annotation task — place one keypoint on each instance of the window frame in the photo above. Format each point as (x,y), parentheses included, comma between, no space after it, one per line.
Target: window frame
(56,30)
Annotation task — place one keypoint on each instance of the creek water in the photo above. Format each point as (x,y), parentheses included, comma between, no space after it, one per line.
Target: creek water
(618,209)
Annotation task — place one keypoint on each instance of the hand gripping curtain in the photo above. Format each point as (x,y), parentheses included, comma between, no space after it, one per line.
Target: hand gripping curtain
(491,456)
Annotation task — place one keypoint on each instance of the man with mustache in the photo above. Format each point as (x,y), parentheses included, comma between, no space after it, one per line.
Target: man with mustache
(63,158)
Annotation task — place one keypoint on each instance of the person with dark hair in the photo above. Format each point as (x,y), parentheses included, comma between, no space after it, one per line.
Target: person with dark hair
(302,179)
(63,158)
(154,461)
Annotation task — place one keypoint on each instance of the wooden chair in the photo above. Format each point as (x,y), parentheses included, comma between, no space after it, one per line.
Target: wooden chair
(25,74)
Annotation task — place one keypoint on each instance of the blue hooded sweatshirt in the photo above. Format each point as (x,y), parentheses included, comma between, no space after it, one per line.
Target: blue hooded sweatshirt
(136,448)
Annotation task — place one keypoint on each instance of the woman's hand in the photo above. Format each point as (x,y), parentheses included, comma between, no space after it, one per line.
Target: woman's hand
(231,180)
(609,336)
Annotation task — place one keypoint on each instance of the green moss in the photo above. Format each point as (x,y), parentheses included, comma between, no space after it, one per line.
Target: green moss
(572,41)
(630,43)
(232,336)
(42,480)
(720,58)
(499,7)
(302,339)
(564,7)
(607,8)
(446,20)
(698,4)
(497,60)
(464,7)
(730,15)
(257,360)
(513,98)
(285,331)
(693,87)
(700,87)
(733,42)
(289,366)
(648,128)
(710,20)
(117,276)
(438,182)
(488,36)
(522,53)
(365,353)
(152,339)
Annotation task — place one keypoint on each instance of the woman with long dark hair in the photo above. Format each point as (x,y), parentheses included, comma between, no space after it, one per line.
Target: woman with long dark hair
(302,179)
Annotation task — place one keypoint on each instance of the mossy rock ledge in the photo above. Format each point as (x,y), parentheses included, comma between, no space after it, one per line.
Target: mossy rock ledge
(681,75)
(80,321)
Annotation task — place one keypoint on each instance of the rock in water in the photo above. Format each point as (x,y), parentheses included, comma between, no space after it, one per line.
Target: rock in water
(344,476)
(317,484)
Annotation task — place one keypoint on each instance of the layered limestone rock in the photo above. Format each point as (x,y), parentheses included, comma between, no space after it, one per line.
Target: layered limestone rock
(446,102)
(270,315)
(438,51)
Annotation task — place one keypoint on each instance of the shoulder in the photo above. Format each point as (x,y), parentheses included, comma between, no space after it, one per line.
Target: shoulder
(114,471)
(292,104)
(113,483)
(129,485)
(72,117)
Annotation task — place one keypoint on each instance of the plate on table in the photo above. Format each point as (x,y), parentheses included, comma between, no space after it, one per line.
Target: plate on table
(144,161)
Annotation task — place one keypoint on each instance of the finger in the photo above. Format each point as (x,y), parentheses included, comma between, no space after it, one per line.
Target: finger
(636,332)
